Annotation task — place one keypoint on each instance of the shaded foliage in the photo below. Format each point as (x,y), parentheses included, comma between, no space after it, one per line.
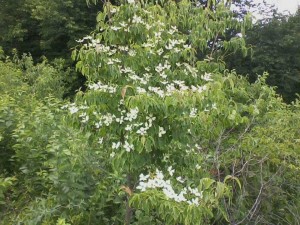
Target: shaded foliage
(43,27)
(275,50)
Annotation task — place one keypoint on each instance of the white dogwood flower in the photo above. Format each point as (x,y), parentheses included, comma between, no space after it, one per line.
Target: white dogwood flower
(161,131)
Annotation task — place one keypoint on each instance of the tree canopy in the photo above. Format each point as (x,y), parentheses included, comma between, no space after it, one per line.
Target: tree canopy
(43,27)
(276,51)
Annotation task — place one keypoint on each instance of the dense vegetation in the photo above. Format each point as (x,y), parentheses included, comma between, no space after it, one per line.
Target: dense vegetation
(160,131)
(43,27)
(276,50)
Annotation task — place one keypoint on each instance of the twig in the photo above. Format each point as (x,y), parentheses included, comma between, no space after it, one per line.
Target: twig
(255,205)
(242,134)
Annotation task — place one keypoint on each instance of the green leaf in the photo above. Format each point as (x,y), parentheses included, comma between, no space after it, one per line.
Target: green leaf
(229,177)
(205,183)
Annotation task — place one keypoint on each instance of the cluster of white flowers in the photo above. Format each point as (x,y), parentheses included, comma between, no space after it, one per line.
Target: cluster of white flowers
(73,108)
(100,48)
(115,28)
(157,90)
(123,24)
(133,76)
(123,48)
(171,170)
(191,196)
(180,179)
(173,43)
(132,52)
(129,117)
(149,44)
(137,19)
(116,145)
(145,127)
(160,68)
(171,88)
(173,30)
(132,114)
(193,112)
(210,107)
(141,90)
(142,131)
(84,117)
(100,140)
(112,61)
(161,131)
(127,70)
(193,149)
(131,1)
(126,145)
(207,77)
(108,119)
(103,87)
(98,124)
(114,10)
(85,38)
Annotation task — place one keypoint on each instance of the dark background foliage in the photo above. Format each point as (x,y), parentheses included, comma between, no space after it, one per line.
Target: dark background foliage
(276,50)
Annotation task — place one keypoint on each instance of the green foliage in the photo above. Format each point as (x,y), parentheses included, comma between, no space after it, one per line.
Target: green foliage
(5,183)
(56,78)
(43,27)
(276,51)
(14,27)
(22,86)
(13,91)
(43,78)
(162,135)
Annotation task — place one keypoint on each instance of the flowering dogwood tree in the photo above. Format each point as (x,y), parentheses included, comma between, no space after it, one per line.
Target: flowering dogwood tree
(159,106)
(163,134)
